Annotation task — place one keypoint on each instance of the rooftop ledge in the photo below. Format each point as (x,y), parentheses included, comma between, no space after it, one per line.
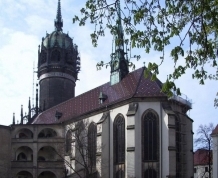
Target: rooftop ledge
(183,99)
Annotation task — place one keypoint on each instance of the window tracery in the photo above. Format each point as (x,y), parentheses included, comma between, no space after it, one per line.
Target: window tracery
(150,136)
(119,139)
(92,145)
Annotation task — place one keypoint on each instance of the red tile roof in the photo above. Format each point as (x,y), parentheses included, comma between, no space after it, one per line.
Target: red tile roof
(201,157)
(134,85)
(215,131)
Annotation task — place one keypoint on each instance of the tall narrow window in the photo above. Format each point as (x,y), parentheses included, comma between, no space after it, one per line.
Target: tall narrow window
(119,139)
(92,145)
(150,137)
(68,141)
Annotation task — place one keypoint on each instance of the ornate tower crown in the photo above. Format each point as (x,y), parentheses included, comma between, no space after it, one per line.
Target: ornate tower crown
(119,63)
(58,65)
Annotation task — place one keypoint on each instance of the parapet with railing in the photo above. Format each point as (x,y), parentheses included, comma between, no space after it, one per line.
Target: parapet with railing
(183,99)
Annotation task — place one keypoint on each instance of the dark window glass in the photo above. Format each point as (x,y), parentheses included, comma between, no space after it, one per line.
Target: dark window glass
(21,157)
(68,141)
(56,56)
(150,137)
(150,173)
(92,145)
(22,135)
(41,158)
(206,169)
(120,174)
(119,139)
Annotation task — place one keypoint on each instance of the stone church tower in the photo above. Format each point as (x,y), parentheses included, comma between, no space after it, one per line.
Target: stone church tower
(58,66)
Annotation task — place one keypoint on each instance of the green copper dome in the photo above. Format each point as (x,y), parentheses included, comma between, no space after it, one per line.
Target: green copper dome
(57,39)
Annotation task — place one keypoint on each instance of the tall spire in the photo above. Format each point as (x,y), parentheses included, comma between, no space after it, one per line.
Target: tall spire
(58,21)
(119,64)
(119,37)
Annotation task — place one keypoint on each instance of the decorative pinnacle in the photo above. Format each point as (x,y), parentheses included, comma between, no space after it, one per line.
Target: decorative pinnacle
(29,110)
(21,115)
(58,21)
(13,119)
(120,28)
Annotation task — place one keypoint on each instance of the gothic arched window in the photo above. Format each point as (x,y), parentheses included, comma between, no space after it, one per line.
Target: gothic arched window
(150,136)
(119,139)
(150,173)
(92,145)
(68,141)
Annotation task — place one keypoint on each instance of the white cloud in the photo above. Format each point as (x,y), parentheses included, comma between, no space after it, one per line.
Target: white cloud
(16,61)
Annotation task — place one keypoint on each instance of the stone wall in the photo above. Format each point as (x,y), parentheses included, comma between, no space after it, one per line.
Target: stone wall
(5,151)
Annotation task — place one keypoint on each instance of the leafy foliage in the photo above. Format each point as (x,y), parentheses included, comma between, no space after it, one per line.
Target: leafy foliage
(216,101)
(155,24)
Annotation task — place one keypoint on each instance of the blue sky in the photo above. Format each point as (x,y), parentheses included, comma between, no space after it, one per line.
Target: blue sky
(23,23)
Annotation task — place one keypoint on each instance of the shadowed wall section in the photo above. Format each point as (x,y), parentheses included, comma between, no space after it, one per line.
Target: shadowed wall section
(5,151)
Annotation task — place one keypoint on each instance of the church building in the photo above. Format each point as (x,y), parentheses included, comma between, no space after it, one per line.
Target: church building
(126,128)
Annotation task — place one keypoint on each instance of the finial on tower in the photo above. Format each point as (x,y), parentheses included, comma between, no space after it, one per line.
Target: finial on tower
(58,21)
(120,28)
(29,110)
(13,119)
(21,115)
(37,100)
